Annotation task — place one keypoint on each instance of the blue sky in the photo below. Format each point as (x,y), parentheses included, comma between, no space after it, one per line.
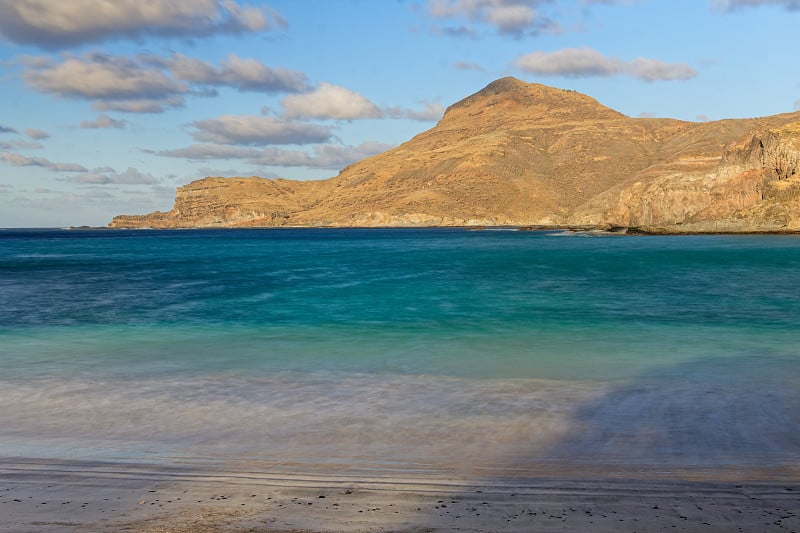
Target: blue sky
(109,106)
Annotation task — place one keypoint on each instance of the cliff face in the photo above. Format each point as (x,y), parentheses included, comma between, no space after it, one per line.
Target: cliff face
(754,187)
(527,154)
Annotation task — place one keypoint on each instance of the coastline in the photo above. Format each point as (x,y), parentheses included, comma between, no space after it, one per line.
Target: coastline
(602,229)
(44,496)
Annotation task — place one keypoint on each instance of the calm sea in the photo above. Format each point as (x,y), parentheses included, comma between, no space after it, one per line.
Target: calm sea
(402,352)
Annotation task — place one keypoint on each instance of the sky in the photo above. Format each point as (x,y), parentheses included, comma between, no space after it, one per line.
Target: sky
(107,107)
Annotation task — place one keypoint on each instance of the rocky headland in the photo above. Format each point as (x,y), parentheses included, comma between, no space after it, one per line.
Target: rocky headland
(524,154)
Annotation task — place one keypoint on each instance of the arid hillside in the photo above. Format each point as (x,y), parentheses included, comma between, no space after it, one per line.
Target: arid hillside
(525,154)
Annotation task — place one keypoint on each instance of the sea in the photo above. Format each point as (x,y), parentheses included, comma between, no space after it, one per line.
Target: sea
(403,353)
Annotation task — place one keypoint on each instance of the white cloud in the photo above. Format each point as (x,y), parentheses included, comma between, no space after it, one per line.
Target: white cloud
(431,111)
(570,62)
(140,105)
(36,135)
(610,2)
(240,73)
(329,102)
(7,129)
(586,62)
(57,24)
(18,160)
(103,77)
(103,121)
(211,151)
(19,144)
(465,65)
(325,156)
(459,32)
(203,172)
(732,5)
(258,130)
(322,156)
(655,70)
(514,17)
(148,83)
(108,176)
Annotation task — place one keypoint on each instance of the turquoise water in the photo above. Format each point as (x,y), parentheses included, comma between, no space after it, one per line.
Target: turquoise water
(401,351)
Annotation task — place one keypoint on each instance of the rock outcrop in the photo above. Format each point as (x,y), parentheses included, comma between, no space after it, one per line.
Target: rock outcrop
(755,187)
(526,154)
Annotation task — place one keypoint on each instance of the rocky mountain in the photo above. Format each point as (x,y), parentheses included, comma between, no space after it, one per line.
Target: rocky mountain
(525,154)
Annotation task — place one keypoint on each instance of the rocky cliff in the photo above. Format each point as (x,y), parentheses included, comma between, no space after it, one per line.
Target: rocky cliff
(527,154)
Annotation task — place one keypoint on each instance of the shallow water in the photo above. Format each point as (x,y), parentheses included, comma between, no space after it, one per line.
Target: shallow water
(401,351)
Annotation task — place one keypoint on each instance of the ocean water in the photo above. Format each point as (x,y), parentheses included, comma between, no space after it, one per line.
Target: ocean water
(432,352)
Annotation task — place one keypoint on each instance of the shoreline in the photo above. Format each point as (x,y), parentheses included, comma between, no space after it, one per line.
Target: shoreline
(52,495)
(601,229)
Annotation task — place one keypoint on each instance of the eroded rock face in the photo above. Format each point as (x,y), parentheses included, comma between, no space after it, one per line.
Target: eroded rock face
(227,202)
(526,154)
(754,188)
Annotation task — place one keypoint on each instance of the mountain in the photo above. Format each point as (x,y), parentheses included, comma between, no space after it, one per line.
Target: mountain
(520,153)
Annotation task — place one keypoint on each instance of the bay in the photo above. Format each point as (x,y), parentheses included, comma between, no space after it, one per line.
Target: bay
(401,350)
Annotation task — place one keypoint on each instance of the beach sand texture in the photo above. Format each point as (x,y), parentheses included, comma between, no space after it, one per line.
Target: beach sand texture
(39,496)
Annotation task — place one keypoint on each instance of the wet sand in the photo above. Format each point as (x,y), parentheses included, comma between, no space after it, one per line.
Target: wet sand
(49,496)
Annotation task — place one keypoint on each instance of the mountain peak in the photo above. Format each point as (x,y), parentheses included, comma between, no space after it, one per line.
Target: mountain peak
(533,99)
(505,85)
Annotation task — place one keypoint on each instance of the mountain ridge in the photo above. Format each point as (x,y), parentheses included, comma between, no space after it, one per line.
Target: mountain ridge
(517,153)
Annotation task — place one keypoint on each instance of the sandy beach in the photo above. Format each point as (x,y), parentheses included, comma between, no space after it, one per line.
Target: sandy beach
(407,382)
(45,496)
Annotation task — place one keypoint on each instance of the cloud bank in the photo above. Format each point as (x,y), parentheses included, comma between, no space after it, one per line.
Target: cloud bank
(509,17)
(108,176)
(97,176)
(239,73)
(322,156)
(19,144)
(107,78)
(58,24)
(733,5)
(257,130)
(18,160)
(148,83)
(586,62)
